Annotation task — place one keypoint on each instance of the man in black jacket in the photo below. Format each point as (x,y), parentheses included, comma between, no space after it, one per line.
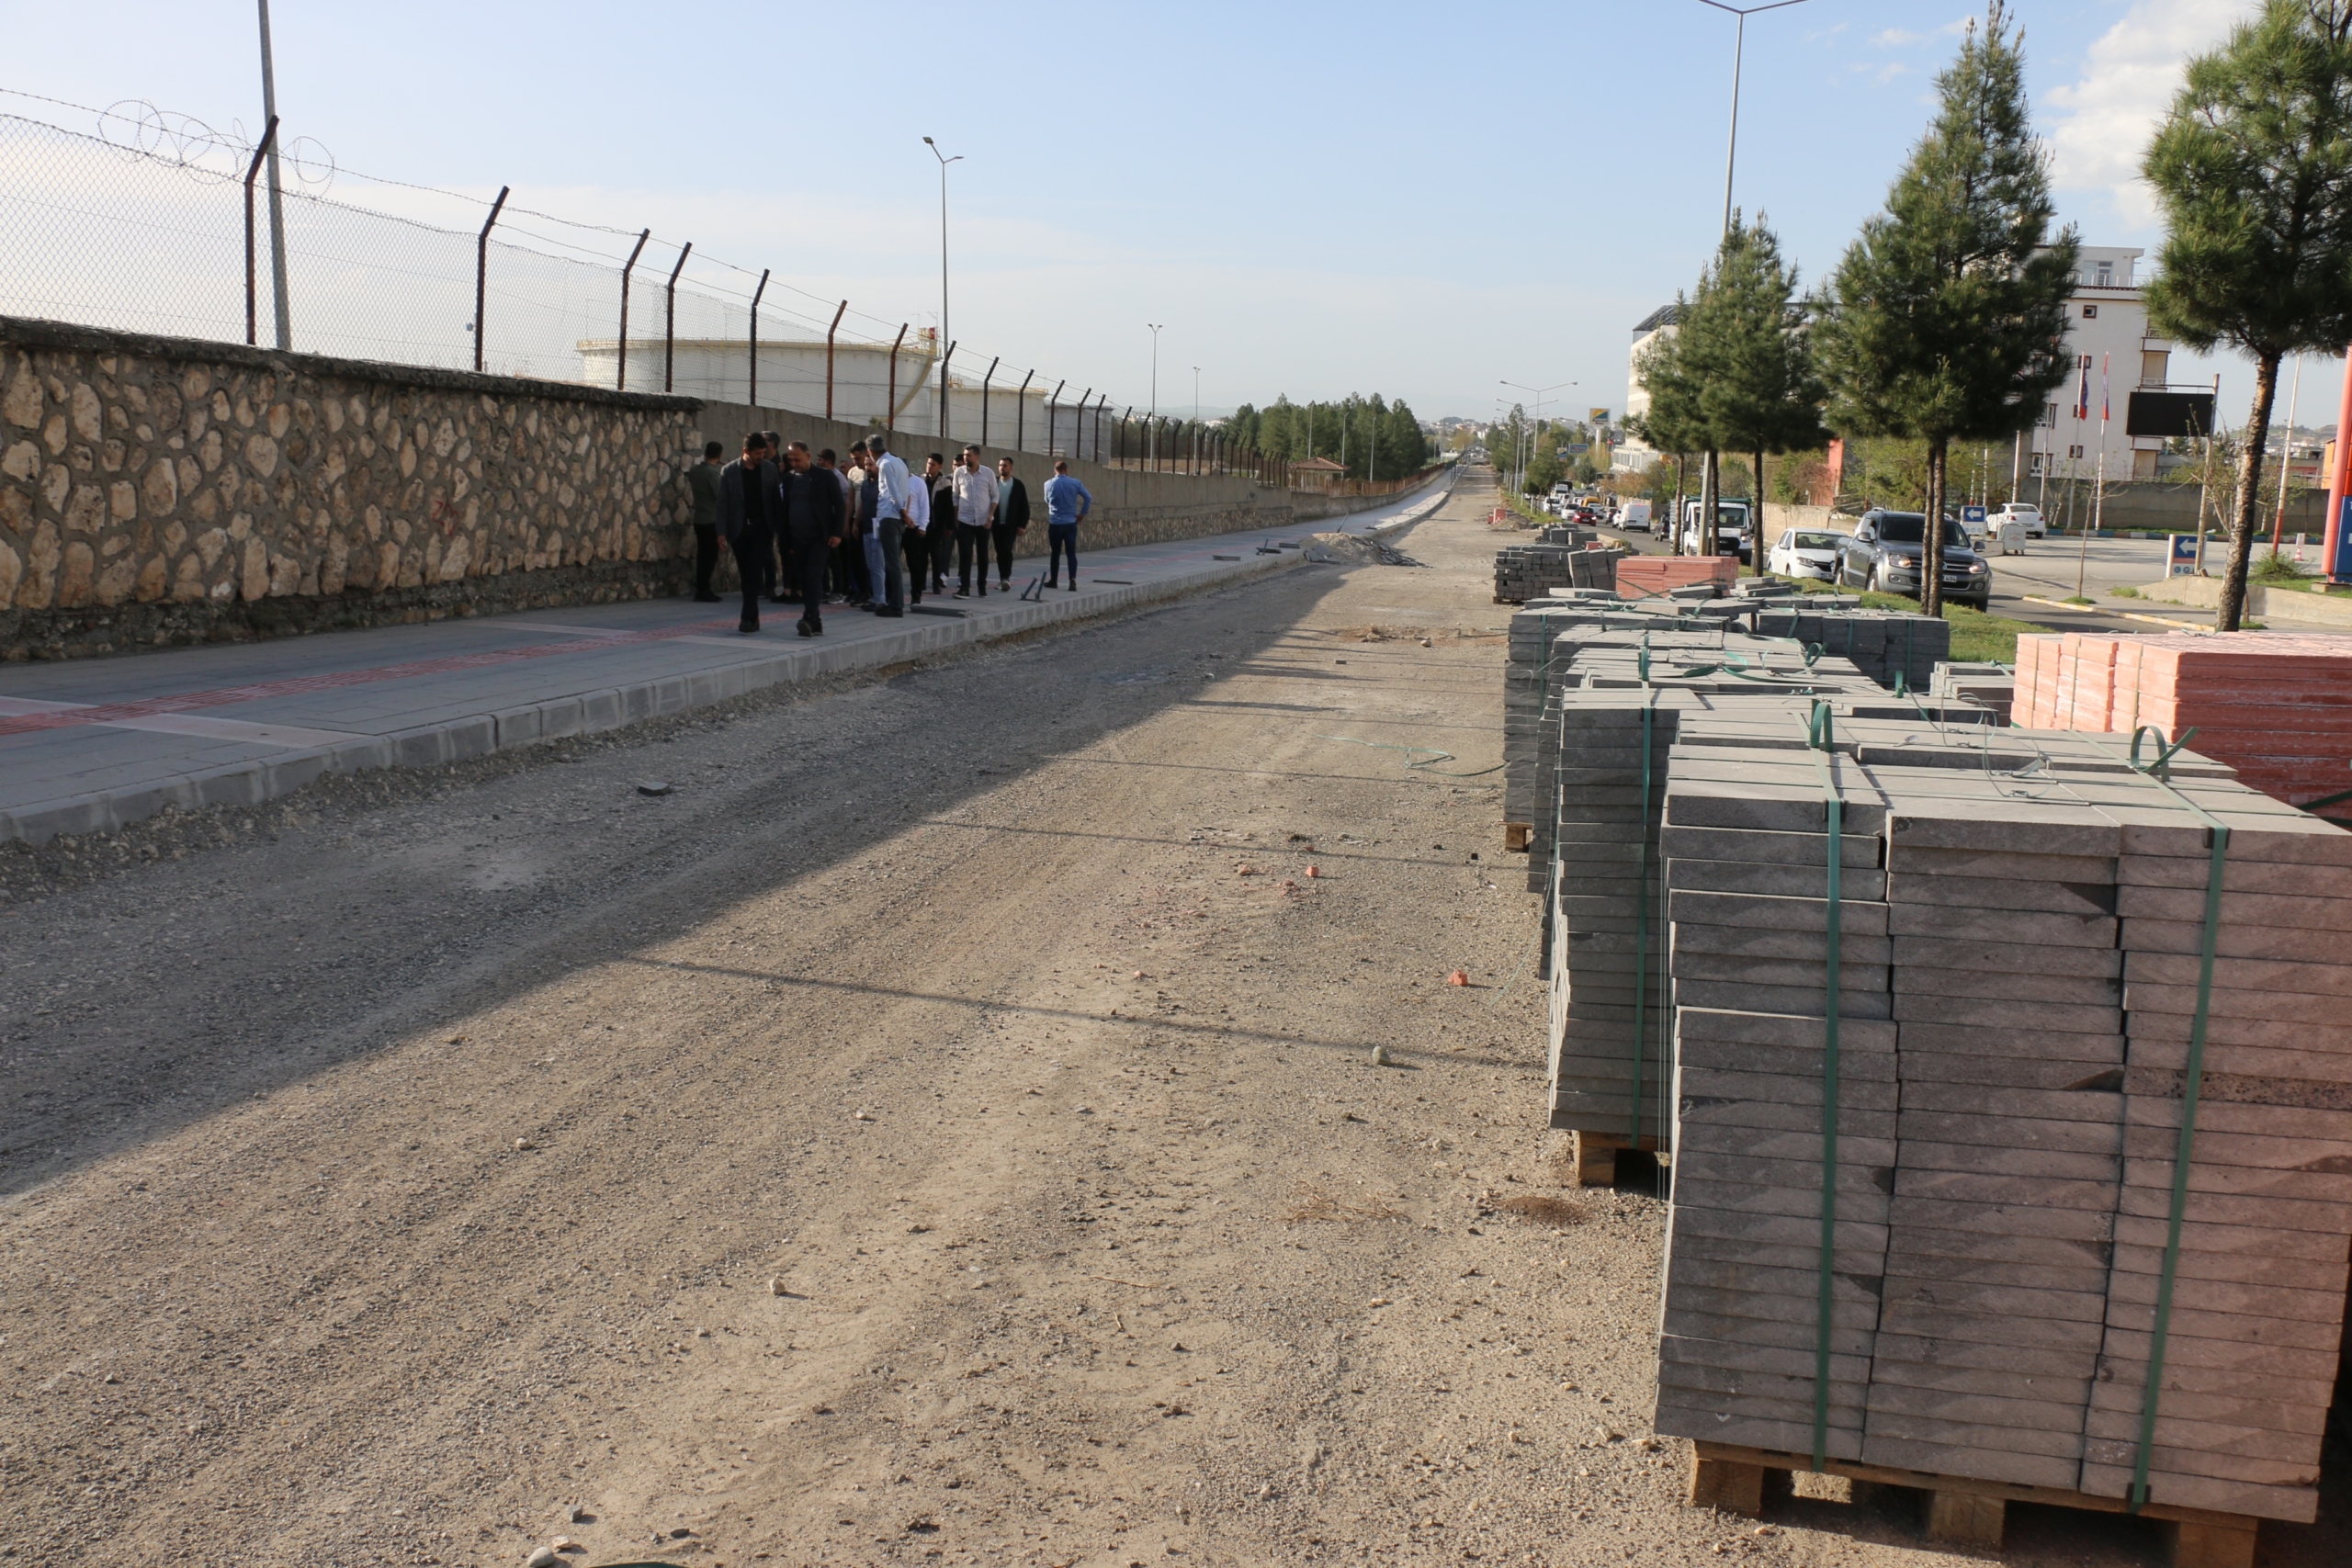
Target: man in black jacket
(747,506)
(810,501)
(702,481)
(1011,522)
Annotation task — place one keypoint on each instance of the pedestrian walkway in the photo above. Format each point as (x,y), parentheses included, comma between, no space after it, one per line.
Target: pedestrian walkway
(88,745)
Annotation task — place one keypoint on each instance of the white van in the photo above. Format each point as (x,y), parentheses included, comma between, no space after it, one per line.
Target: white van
(1636,517)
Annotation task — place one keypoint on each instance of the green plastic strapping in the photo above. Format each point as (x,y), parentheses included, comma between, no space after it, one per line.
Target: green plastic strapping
(2192,1089)
(1820,741)
(1642,921)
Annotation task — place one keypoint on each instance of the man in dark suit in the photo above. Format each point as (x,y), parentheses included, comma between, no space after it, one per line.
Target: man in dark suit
(809,502)
(1012,520)
(748,502)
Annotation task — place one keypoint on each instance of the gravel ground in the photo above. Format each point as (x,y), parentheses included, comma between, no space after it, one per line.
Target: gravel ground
(941,1128)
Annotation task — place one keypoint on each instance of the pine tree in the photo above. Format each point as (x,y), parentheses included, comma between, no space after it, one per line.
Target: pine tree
(2252,168)
(1946,319)
(1761,394)
(1676,420)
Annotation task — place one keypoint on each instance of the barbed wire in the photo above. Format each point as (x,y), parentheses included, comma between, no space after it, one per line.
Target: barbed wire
(201,152)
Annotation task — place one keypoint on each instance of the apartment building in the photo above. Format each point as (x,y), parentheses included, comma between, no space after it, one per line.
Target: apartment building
(2107,335)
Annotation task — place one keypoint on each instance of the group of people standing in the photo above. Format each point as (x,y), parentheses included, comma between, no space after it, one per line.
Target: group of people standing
(802,525)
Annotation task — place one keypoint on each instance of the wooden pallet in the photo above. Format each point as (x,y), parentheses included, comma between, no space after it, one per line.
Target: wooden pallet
(1515,835)
(1964,1512)
(1593,1156)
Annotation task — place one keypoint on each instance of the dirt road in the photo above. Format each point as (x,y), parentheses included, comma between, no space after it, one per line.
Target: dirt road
(944,1127)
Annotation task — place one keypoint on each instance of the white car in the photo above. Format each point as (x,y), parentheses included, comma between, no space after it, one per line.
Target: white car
(2022,513)
(1805,552)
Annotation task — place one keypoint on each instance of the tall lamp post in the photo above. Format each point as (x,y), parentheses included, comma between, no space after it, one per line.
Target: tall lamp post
(1155,327)
(1738,48)
(1540,393)
(943,339)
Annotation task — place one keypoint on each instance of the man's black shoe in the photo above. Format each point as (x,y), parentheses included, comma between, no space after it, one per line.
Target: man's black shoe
(781,599)
(963,594)
(888,610)
(748,627)
(705,598)
(803,629)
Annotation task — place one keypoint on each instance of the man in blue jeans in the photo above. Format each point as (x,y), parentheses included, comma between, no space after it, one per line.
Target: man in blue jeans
(1067,504)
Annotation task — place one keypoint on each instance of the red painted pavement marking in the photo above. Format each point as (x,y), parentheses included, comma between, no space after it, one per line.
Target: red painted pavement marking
(224,696)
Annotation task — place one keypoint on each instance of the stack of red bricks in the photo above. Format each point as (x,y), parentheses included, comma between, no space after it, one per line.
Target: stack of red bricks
(1641,576)
(2276,706)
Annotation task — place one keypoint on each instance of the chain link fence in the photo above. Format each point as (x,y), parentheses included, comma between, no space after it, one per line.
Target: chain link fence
(141,225)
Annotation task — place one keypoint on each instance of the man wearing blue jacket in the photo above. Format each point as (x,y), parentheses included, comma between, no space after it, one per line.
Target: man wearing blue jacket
(1067,504)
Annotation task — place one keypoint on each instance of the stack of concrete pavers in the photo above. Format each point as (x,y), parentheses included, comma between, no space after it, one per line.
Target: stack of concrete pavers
(1988,685)
(2011,1087)
(1529,572)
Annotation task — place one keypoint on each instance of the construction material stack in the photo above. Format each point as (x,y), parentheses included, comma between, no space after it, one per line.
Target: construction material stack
(2275,705)
(2059,1156)
(1529,572)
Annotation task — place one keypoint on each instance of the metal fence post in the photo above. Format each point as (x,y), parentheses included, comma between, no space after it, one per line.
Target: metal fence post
(1077,427)
(670,318)
(754,398)
(252,323)
(1021,411)
(481,271)
(942,390)
(984,397)
(620,378)
(829,358)
(1052,405)
(891,409)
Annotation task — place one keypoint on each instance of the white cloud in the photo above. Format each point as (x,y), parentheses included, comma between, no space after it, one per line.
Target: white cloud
(2104,119)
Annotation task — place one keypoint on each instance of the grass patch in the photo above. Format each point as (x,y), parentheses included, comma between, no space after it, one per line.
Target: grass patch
(2126,592)
(2274,568)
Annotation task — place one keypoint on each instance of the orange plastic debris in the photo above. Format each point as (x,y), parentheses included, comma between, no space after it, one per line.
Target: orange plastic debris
(1457,978)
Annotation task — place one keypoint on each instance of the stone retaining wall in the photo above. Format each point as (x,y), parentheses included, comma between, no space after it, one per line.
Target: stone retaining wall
(160,491)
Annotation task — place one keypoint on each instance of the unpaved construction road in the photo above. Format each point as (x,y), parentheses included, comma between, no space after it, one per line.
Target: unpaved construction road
(943,1128)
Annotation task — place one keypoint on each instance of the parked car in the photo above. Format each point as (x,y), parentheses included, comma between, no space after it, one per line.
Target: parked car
(1805,552)
(2022,513)
(1636,517)
(1884,554)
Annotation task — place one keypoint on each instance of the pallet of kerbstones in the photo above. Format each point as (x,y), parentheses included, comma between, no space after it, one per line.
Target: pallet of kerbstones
(1599,866)
(1988,685)
(2042,930)
(1529,572)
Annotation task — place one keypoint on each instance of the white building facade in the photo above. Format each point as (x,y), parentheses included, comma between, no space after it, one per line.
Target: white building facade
(1633,454)
(2107,333)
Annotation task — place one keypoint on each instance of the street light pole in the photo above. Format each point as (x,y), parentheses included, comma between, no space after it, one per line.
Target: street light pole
(1155,327)
(943,339)
(1738,48)
(277,197)
(1540,392)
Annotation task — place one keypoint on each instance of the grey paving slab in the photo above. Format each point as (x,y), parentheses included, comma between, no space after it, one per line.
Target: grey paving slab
(89,745)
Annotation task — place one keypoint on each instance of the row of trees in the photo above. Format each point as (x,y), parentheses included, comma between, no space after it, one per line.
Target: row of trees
(1945,320)
(1369,437)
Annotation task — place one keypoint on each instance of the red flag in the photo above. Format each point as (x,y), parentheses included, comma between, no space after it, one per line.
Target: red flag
(2083,393)
(2102,389)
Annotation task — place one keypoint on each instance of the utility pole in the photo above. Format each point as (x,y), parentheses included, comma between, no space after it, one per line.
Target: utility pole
(943,338)
(1738,48)
(277,197)
(1155,327)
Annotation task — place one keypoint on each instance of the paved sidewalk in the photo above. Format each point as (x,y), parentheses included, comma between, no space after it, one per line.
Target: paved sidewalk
(88,745)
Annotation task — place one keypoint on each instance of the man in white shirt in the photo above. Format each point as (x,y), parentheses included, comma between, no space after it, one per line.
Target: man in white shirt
(885,557)
(916,541)
(974,510)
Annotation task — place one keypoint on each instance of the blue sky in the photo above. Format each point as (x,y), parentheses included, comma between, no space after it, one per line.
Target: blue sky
(1312,198)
